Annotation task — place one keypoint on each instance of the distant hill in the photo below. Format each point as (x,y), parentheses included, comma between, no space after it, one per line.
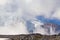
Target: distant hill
(31,37)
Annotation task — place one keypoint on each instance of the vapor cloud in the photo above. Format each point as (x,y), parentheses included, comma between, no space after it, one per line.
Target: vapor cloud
(18,16)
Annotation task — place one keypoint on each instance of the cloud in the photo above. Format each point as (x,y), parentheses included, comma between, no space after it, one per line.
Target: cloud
(39,28)
(39,7)
(13,29)
(48,9)
(57,13)
(44,29)
(26,11)
(13,24)
(3,2)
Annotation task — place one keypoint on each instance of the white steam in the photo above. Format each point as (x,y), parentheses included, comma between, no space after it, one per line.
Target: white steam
(10,20)
(4,39)
(43,29)
(39,28)
(15,13)
(47,8)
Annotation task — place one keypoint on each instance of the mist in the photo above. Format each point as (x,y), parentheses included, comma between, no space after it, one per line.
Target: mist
(21,16)
(43,11)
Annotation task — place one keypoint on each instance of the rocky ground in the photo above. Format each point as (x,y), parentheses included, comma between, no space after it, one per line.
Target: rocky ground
(31,37)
